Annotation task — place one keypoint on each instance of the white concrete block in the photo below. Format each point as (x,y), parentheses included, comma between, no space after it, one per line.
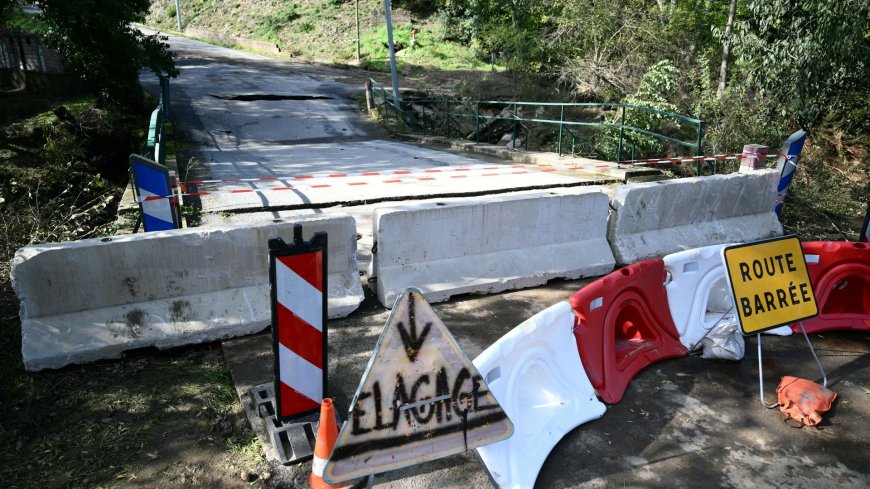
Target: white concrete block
(93,299)
(657,218)
(490,244)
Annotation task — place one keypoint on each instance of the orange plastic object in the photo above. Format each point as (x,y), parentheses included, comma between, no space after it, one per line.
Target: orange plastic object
(803,400)
(622,324)
(327,432)
(840,274)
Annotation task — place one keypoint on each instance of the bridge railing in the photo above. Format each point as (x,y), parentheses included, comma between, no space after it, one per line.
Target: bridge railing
(155,146)
(601,130)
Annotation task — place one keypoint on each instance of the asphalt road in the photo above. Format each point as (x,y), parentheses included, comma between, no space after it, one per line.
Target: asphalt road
(254,117)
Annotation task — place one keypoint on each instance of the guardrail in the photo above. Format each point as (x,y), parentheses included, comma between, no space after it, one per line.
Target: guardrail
(558,127)
(155,147)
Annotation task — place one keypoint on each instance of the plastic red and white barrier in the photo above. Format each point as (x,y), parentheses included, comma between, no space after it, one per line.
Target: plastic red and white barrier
(840,274)
(698,292)
(533,373)
(623,324)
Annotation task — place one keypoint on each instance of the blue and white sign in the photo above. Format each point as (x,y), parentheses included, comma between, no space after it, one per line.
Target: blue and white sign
(787,164)
(151,182)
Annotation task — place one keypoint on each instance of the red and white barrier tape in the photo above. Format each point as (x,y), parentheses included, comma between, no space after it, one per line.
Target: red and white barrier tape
(493,172)
(694,159)
(387,173)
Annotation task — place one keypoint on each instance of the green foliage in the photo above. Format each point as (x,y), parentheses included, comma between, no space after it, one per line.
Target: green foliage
(809,58)
(105,48)
(15,19)
(656,89)
(272,23)
(428,51)
(423,8)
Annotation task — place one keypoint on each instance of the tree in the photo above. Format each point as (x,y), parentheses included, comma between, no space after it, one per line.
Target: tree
(96,37)
(809,58)
(726,47)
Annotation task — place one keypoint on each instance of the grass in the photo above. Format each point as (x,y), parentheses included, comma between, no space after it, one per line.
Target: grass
(53,178)
(90,426)
(104,424)
(428,52)
(325,31)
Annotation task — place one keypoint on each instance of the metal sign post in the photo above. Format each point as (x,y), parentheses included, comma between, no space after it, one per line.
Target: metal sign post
(178,13)
(771,288)
(865,231)
(393,71)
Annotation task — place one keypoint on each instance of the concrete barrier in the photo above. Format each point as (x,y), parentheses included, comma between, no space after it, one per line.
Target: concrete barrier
(489,245)
(657,218)
(93,299)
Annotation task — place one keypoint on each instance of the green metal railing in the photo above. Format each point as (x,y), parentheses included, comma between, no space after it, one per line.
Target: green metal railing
(155,146)
(476,119)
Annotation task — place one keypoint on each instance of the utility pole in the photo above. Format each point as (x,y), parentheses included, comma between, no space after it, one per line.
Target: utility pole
(357,32)
(178,13)
(393,72)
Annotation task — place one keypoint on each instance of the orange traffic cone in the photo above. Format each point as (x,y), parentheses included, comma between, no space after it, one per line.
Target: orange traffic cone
(327,433)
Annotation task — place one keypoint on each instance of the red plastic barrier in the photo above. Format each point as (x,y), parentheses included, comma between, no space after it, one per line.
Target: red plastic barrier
(840,273)
(623,324)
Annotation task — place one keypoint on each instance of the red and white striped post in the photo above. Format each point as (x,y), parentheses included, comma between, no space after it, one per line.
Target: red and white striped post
(299,293)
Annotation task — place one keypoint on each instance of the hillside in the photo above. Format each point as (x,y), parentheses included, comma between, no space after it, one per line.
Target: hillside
(324,31)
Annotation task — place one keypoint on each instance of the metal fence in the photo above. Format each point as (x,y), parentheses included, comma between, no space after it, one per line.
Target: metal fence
(155,146)
(599,130)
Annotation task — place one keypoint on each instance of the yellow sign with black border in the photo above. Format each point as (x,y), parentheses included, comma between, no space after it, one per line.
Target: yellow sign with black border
(770,283)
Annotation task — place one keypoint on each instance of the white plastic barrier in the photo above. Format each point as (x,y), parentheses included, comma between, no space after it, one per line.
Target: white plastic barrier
(536,375)
(698,293)
(490,244)
(656,218)
(93,299)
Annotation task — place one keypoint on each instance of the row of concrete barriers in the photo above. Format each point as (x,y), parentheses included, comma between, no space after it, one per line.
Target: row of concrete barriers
(93,299)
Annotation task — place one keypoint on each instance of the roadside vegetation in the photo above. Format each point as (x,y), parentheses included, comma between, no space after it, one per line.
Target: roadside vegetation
(325,31)
(168,416)
(171,416)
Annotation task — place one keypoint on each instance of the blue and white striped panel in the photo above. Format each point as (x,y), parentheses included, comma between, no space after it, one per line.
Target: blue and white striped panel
(787,166)
(153,181)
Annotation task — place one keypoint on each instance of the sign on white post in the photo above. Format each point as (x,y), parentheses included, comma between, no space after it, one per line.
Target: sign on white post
(770,283)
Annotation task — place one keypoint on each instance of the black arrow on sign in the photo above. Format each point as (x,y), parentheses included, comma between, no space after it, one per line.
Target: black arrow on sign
(412,342)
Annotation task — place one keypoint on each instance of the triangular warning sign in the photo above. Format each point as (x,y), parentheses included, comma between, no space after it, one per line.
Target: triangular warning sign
(420,399)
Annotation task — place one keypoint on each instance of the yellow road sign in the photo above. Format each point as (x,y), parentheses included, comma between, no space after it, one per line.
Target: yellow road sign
(770,283)
(420,398)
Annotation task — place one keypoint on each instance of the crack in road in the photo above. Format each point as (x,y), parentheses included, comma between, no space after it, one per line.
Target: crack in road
(252,97)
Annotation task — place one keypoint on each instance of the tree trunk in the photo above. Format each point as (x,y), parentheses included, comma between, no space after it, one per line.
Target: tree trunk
(726,48)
